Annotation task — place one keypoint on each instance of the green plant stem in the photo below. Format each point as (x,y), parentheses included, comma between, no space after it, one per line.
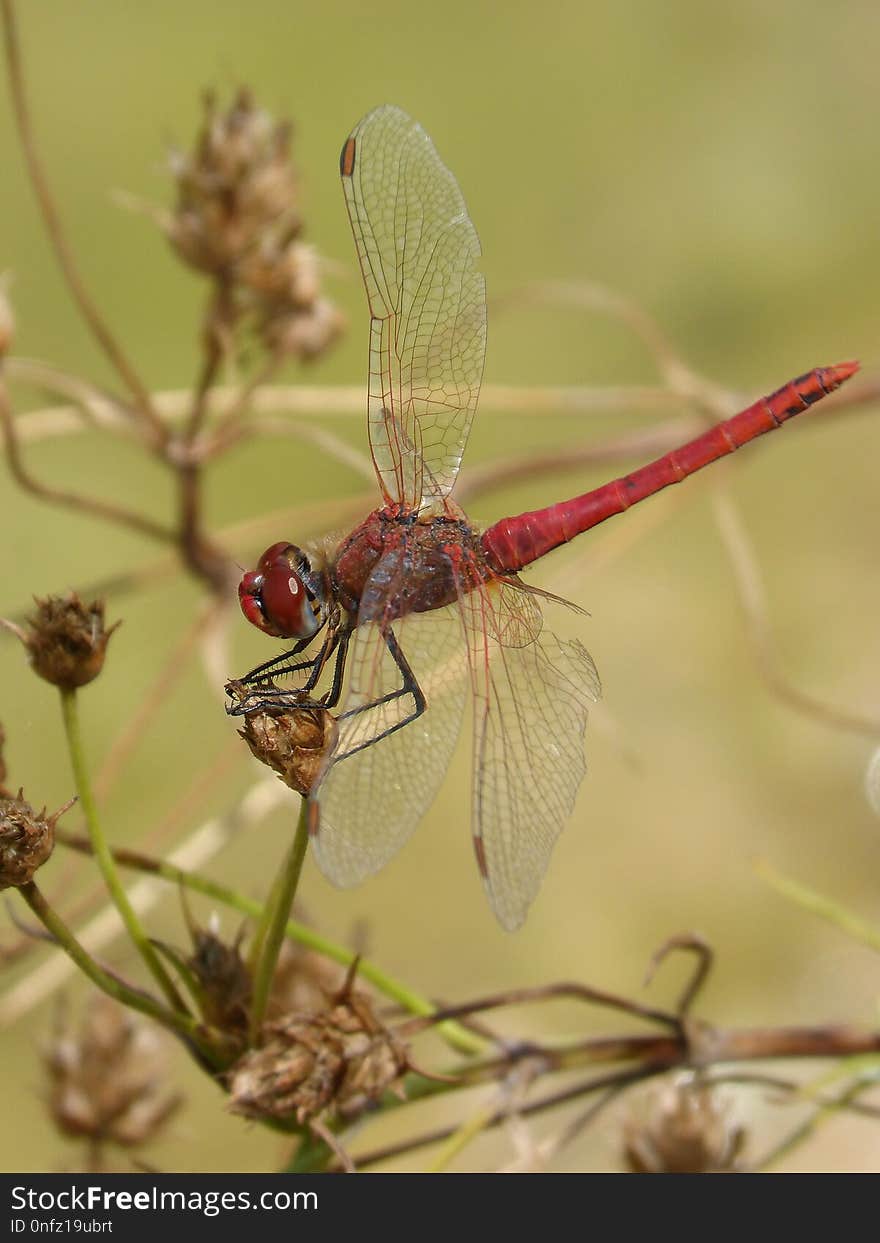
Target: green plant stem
(459,1140)
(273,925)
(454,1033)
(104,856)
(818,904)
(207,1042)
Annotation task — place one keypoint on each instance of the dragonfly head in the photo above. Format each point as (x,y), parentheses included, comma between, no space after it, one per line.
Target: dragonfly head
(284,596)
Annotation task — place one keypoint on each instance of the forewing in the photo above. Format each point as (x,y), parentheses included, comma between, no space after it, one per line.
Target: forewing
(376,789)
(417,250)
(531,701)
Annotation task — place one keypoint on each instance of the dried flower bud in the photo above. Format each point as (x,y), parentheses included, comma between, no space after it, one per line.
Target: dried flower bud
(340,1059)
(237,184)
(682,1129)
(224,981)
(67,640)
(27,839)
(301,333)
(108,1078)
(7,319)
(295,743)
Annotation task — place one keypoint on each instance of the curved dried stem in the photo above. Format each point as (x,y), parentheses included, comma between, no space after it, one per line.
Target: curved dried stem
(140,720)
(680,378)
(51,217)
(106,510)
(544,992)
(750,590)
(691,943)
(95,406)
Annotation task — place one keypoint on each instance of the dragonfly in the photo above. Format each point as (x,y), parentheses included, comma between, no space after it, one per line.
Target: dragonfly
(416,605)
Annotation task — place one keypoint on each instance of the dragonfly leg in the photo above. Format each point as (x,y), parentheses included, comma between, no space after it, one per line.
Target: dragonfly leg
(410,686)
(263,697)
(263,672)
(331,699)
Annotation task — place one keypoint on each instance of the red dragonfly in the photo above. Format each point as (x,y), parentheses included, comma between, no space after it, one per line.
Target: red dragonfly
(415,601)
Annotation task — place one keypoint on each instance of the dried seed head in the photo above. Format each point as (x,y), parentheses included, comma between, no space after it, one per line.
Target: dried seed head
(7,318)
(108,1077)
(284,292)
(67,640)
(303,982)
(682,1129)
(295,744)
(27,839)
(237,219)
(302,333)
(236,185)
(340,1059)
(224,981)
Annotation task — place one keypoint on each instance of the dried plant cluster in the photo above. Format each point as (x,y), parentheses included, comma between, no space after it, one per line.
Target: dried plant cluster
(304,1036)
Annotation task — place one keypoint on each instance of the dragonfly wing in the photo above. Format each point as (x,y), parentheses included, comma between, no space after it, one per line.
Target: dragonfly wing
(417,249)
(531,699)
(380,780)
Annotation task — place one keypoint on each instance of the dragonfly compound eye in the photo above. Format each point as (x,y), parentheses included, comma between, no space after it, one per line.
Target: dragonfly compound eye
(279,596)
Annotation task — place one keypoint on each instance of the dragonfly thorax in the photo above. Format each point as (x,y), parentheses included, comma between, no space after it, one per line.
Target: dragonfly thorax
(284,596)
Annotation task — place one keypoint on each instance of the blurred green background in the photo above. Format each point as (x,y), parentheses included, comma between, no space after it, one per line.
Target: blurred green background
(718,164)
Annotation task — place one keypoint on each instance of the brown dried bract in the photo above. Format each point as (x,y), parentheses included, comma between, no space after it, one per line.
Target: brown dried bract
(27,839)
(224,981)
(237,218)
(67,640)
(108,1079)
(237,183)
(340,1060)
(294,743)
(682,1129)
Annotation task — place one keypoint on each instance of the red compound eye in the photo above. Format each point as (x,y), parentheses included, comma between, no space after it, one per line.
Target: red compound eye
(274,597)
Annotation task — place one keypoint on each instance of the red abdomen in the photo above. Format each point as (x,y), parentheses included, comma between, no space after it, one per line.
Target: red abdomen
(515,542)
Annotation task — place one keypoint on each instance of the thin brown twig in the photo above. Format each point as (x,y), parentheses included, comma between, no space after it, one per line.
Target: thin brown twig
(803,1131)
(543,992)
(231,426)
(750,591)
(218,319)
(155,698)
(94,406)
(89,311)
(70,500)
(617,1079)
(690,943)
(789,1087)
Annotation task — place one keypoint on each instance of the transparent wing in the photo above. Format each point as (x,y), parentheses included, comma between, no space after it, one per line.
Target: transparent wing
(417,250)
(381,780)
(531,699)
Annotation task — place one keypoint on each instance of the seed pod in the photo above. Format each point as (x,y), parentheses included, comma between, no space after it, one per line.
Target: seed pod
(294,743)
(108,1077)
(67,640)
(340,1060)
(27,839)
(682,1129)
(237,184)
(224,981)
